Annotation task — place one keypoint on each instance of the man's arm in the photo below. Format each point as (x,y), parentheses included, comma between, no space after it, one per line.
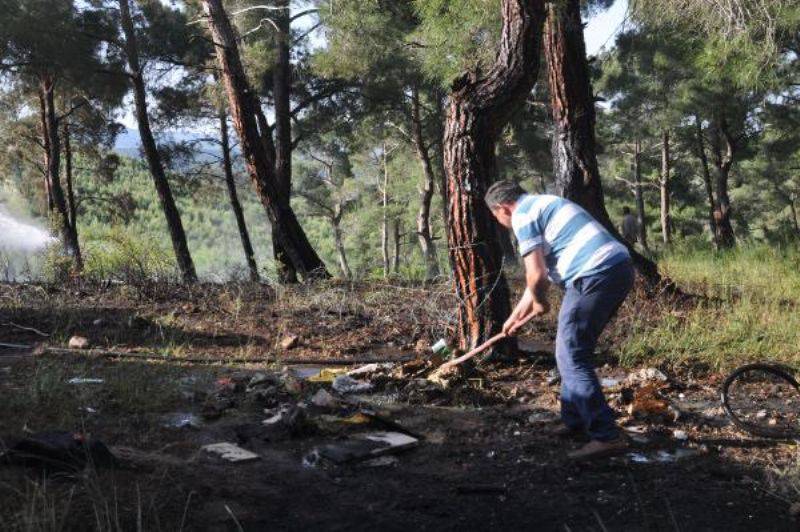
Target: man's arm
(534,300)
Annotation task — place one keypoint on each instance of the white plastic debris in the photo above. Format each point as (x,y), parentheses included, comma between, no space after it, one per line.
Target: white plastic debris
(371,368)
(230,452)
(680,435)
(85,380)
(347,384)
(78,342)
(647,374)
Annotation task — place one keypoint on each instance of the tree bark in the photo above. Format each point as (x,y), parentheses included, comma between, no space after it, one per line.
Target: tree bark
(665,189)
(701,153)
(257,146)
(424,235)
(336,221)
(69,235)
(165,197)
(385,216)
(71,207)
(233,196)
(479,107)
(46,145)
(397,244)
(281,95)
(638,193)
(574,148)
(793,209)
(724,164)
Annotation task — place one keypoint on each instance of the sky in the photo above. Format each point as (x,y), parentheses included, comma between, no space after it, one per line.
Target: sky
(599,33)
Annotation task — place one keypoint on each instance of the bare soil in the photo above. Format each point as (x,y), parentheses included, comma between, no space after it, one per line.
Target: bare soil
(487,458)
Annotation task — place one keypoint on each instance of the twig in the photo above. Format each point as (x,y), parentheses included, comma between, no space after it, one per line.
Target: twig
(24,328)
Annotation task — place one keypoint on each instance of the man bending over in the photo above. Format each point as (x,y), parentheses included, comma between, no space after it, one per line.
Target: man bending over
(560,240)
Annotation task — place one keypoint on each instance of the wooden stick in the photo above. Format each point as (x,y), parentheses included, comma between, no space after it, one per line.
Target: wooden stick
(480,349)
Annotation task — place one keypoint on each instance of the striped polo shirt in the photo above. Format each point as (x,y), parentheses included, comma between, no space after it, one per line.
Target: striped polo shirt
(574,244)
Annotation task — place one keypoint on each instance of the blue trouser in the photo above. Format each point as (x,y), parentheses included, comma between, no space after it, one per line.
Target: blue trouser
(588,304)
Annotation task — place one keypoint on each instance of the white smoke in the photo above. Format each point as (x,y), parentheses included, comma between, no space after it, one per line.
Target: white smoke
(19,236)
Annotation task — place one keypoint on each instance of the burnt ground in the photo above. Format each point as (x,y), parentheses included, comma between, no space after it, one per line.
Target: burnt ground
(486,458)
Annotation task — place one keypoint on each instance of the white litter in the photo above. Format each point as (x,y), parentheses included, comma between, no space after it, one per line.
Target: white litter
(231,452)
(83,380)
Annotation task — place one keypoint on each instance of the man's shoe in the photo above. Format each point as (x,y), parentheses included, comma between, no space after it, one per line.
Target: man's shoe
(600,449)
(567,432)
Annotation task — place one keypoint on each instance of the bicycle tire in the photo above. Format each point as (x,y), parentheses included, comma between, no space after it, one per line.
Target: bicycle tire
(752,428)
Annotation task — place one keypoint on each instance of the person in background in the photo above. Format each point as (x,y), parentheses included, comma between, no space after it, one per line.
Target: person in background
(629,227)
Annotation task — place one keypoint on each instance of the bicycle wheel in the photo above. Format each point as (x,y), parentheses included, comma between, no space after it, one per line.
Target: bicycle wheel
(763,400)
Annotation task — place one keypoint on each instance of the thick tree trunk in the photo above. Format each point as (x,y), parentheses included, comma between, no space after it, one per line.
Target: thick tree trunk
(69,235)
(257,146)
(665,189)
(233,196)
(46,145)
(701,153)
(281,94)
(724,165)
(638,194)
(479,108)
(574,152)
(71,207)
(425,190)
(165,198)
(338,240)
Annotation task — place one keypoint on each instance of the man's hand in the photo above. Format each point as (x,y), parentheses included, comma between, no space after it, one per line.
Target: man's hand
(536,309)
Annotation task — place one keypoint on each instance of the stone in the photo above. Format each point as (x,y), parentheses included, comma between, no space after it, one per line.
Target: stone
(323,399)
(290,341)
(78,342)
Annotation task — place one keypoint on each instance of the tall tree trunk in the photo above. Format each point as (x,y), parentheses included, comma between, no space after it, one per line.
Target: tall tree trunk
(425,190)
(281,94)
(69,235)
(165,198)
(397,244)
(638,193)
(665,188)
(724,165)
(441,119)
(701,153)
(574,151)
(46,145)
(233,196)
(479,107)
(257,146)
(336,221)
(71,207)
(385,216)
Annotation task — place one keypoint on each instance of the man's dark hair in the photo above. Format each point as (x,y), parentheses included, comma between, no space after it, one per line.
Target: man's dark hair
(626,210)
(505,191)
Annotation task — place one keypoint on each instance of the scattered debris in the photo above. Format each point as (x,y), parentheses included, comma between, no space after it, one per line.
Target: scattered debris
(609,382)
(179,420)
(553,377)
(382,461)
(78,342)
(85,380)
(645,375)
(324,399)
(290,341)
(371,368)
(327,375)
(361,447)
(288,420)
(680,435)
(662,456)
(231,452)
(347,384)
